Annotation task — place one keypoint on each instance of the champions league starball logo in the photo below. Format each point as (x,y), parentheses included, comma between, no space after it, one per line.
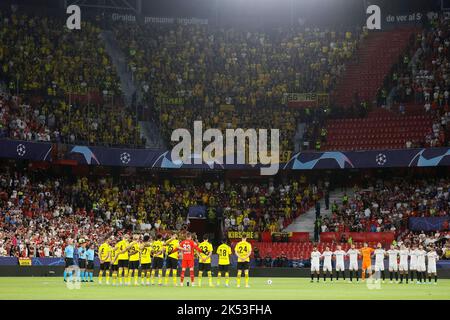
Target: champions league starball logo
(21,150)
(381,159)
(125,157)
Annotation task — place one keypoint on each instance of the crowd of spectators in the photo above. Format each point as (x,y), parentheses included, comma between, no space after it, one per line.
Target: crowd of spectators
(386,206)
(41,55)
(422,77)
(46,68)
(230,77)
(37,213)
(57,121)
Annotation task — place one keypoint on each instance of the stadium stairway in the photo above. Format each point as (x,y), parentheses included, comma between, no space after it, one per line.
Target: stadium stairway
(152,135)
(148,129)
(120,62)
(373,60)
(298,138)
(305,222)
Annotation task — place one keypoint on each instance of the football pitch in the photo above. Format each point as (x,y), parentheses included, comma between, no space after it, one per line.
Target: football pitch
(23,288)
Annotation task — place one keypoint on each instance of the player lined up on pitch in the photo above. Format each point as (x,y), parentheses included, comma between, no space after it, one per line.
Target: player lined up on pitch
(403,263)
(146,258)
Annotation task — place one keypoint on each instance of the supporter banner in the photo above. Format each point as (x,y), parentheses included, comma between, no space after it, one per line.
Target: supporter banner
(24,261)
(428,223)
(303,100)
(226,107)
(238,235)
(176,101)
(300,99)
(151,158)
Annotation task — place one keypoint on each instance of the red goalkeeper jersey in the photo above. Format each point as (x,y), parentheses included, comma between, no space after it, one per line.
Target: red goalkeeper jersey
(188,247)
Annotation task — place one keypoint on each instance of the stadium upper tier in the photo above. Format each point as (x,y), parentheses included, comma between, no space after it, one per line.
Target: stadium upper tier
(231,78)
(415,92)
(40,55)
(47,68)
(227,78)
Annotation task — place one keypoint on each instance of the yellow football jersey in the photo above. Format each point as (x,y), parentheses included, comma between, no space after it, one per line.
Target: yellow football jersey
(104,252)
(113,256)
(172,245)
(134,252)
(146,252)
(242,249)
(224,252)
(156,247)
(122,245)
(206,248)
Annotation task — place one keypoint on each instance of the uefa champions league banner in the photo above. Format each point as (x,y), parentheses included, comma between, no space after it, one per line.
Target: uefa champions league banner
(17,149)
(151,158)
(426,157)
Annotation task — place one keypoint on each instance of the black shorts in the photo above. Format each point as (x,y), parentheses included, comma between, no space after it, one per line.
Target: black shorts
(243,265)
(133,265)
(157,263)
(123,264)
(224,267)
(82,263)
(69,262)
(114,267)
(146,266)
(171,263)
(90,265)
(105,266)
(204,266)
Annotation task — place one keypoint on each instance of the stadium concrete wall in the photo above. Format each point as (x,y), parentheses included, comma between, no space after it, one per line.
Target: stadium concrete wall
(57,271)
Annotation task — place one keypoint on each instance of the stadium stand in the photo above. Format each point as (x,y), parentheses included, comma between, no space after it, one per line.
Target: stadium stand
(418,77)
(61,85)
(381,129)
(227,78)
(52,208)
(45,59)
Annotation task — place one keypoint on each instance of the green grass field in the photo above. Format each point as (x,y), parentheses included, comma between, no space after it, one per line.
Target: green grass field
(281,289)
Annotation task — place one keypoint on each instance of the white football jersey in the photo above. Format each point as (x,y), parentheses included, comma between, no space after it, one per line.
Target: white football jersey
(432,257)
(327,257)
(404,254)
(315,257)
(421,254)
(393,255)
(353,254)
(379,255)
(413,255)
(339,254)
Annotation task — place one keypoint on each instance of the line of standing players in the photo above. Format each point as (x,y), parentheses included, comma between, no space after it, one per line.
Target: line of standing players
(403,263)
(143,257)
